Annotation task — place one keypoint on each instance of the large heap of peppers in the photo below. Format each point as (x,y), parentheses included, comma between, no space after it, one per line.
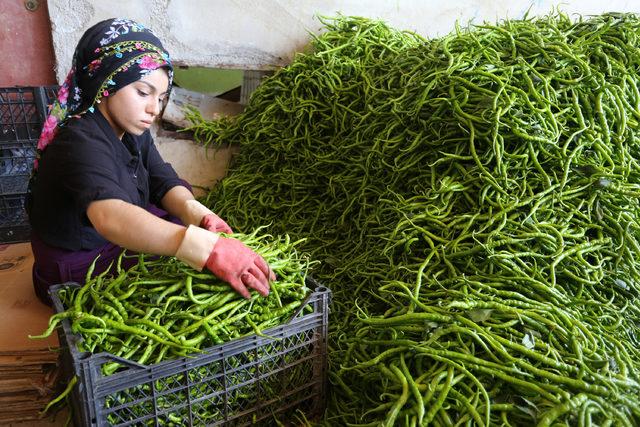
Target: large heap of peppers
(473,200)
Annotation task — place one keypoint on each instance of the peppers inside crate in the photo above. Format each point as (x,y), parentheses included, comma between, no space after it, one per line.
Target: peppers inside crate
(247,381)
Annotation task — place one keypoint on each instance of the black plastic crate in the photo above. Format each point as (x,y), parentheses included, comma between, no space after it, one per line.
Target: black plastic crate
(22,114)
(23,111)
(248,381)
(14,224)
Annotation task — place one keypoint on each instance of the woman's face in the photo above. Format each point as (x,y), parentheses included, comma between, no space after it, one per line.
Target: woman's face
(133,108)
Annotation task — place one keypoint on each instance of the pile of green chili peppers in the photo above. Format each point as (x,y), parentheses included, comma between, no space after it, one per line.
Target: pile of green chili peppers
(161,309)
(473,200)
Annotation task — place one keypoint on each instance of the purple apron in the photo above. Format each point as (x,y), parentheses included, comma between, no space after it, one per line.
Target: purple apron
(53,265)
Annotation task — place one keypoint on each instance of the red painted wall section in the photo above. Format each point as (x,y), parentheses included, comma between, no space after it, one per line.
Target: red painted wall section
(26,49)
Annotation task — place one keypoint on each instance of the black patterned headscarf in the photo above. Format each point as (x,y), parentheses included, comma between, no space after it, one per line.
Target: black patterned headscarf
(109,56)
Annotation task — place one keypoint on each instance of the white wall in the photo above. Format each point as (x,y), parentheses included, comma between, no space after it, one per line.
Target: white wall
(261,34)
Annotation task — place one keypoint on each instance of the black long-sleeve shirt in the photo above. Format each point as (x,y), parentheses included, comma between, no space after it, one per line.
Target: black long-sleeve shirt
(87,162)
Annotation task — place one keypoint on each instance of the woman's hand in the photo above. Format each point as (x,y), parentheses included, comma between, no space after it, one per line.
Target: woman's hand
(215,224)
(228,258)
(235,263)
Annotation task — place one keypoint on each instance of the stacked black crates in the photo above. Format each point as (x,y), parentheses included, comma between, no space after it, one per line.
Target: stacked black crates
(23,111)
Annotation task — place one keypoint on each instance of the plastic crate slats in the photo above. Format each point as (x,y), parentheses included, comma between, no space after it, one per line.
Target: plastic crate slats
(18,114)
(16,163)
(11,186)
(44,97)
(22,114)
(242,382)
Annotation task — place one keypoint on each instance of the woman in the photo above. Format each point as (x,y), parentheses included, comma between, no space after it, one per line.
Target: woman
(98,175)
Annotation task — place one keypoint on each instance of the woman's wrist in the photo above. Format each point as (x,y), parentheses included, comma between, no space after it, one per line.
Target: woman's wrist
(196,246)
(193,212)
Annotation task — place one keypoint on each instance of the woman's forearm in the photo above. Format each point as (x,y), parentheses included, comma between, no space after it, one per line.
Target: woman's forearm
(134,228)
(180,202)
(174,202)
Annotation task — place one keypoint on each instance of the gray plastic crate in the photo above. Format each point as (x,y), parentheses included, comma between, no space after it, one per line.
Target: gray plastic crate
(248,381)
(22,114)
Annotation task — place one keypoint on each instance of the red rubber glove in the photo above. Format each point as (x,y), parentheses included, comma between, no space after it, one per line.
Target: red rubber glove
(215,224)
(232,261)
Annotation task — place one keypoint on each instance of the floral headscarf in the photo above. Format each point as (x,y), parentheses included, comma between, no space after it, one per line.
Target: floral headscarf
(109,56)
